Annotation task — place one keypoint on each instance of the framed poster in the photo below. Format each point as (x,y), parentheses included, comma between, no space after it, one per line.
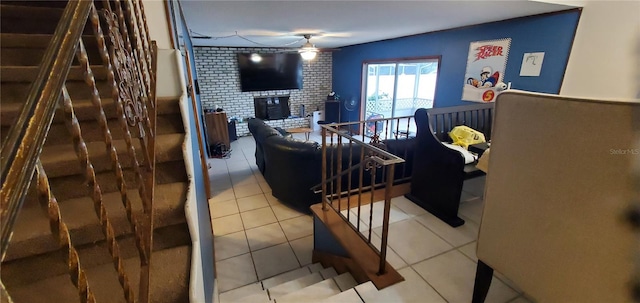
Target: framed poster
(486,64)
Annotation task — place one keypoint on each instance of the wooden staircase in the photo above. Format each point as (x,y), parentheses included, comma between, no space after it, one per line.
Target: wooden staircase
(33,269)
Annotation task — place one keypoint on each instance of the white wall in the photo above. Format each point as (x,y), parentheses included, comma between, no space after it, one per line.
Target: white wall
(604,59)
(157,22)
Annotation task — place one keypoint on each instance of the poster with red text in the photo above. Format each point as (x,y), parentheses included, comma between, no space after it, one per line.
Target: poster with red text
(485,70)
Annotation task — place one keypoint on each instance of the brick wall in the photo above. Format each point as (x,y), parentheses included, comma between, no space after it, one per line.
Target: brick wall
(219,82)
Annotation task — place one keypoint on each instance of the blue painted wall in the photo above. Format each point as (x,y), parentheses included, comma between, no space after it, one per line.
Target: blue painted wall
(551,33)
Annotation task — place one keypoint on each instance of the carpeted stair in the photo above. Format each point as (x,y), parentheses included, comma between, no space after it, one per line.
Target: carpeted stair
(33,269)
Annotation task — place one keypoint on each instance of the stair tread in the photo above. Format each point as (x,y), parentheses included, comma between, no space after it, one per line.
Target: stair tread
(285,277)
(29,73)
(32,234)
(169,269)
(345,281)
(84,109)
(315,292)
(348,296)
(328,273)
(294,285)
(315,267)
(245,293)
(61,160)
(21,40)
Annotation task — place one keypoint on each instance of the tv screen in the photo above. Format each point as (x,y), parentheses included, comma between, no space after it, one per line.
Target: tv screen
(260,72)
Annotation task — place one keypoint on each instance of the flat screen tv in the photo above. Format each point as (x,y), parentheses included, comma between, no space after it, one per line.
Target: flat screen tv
(260,72)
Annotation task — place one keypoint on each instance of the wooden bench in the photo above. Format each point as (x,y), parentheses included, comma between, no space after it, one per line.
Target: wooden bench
(438,171)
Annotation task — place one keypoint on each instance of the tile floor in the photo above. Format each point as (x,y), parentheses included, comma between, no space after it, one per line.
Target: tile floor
(257,237)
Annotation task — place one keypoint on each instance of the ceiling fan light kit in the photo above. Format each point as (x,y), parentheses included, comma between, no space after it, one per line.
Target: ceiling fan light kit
(308,51)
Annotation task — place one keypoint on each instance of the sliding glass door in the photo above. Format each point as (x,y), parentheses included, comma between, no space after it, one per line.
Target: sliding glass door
(398,88)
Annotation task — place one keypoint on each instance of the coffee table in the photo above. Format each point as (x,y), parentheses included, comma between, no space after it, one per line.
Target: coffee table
(298,130)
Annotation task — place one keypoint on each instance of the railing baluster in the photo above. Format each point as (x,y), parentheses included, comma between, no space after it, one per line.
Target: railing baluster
(60,232)
(83,59)
(324,168)
(339,172)
(96,194)
(361,179)
(385,220)
(373,181)
(349,178)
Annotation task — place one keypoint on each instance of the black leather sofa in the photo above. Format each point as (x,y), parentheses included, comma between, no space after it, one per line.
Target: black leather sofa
(292,167)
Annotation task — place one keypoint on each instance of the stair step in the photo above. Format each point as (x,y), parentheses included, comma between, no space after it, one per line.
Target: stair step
(345,281)
(16,92)
(169,283)
(61,160)
(91,131)
(84,110)
(29,49)
(19,19)
(249,293)
(32,236)
(29,73)
(315,292)
(285,277)
(294,285)
(348,296)
(328,273)
(39,267)
(315,267)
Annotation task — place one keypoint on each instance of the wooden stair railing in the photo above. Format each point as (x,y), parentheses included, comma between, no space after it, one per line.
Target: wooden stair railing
(129,60)
(380,167)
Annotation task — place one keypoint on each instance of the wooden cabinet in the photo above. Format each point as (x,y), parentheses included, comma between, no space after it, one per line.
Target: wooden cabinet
(217,129)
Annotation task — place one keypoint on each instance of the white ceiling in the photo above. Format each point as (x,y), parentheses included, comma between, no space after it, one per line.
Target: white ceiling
(340,23)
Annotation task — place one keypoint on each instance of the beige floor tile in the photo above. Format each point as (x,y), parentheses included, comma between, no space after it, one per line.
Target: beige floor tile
(273,201)
(392,256)
(235,272)
(297,227)
(303,248)
(414,242)
(465,196)
(475,186)
(222,195)
(452,274)
(265,187)
(407,206)
(274,260)
(226,225)
(258,217)
(472,210)
(395,214)
(259,177)
(220,183)
(247,190)
(469,250)
(265,236)
(223,208)
(238,294)
(230,245)
(244,178)
(412,289)
(456,236)
(284,212)
(252,202)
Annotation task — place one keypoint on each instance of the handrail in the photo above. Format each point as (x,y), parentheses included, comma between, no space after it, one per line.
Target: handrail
(375,158)
(19,156)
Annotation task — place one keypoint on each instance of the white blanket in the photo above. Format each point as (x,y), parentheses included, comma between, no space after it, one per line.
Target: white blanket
(469,157)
